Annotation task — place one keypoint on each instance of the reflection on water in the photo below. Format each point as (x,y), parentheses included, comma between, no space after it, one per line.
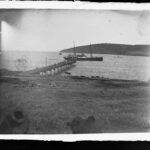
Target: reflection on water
(112,66)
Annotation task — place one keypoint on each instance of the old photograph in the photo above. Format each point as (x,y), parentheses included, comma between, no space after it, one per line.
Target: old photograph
(70,71)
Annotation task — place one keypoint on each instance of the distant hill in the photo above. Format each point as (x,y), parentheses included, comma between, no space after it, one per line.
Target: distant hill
(115,49)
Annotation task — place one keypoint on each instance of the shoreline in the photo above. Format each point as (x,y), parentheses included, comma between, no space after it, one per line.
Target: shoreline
(35,72)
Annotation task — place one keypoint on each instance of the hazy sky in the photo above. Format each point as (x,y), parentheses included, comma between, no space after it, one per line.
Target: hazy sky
(54,30)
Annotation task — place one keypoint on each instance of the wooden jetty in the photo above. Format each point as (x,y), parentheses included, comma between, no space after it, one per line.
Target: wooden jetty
(52,69)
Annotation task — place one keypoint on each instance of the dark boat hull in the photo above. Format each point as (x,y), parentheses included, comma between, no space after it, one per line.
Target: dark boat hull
(90,59)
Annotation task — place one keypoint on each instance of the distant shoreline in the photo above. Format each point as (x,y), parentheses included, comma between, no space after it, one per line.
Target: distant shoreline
(113,49)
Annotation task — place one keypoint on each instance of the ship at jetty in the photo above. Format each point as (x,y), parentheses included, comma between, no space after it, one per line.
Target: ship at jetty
(72,57)
(82,56)
(90,59)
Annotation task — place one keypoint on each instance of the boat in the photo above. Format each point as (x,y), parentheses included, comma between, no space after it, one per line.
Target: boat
(70,58)
(82,57)
(90,59)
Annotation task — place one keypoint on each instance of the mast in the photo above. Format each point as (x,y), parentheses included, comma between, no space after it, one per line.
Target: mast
(91,50)
(74,48)
(0,36)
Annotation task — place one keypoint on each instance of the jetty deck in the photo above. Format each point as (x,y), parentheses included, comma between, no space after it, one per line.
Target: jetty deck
(51,69)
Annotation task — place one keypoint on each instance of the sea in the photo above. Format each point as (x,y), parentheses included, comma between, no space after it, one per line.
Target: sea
(113,66)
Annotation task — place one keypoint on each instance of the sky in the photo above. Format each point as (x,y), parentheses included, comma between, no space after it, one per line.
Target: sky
(55,30)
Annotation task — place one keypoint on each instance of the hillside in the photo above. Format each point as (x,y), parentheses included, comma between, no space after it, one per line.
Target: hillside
(116,49)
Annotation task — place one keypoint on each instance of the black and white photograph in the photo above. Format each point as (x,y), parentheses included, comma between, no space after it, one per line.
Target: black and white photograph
(74,71)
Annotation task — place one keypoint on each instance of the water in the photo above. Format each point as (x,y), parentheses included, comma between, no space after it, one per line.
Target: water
(116,67)
(23,61)
(112,66)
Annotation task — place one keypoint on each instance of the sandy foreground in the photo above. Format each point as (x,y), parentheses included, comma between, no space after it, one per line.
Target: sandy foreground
(59,104)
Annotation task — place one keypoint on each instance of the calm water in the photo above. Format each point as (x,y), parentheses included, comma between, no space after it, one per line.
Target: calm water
(112,66)
(116,67)
(9,60)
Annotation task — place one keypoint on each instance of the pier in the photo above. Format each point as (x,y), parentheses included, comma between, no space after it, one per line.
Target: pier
(55,68)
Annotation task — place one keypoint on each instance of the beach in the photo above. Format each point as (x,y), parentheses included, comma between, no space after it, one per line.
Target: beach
(50,102)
